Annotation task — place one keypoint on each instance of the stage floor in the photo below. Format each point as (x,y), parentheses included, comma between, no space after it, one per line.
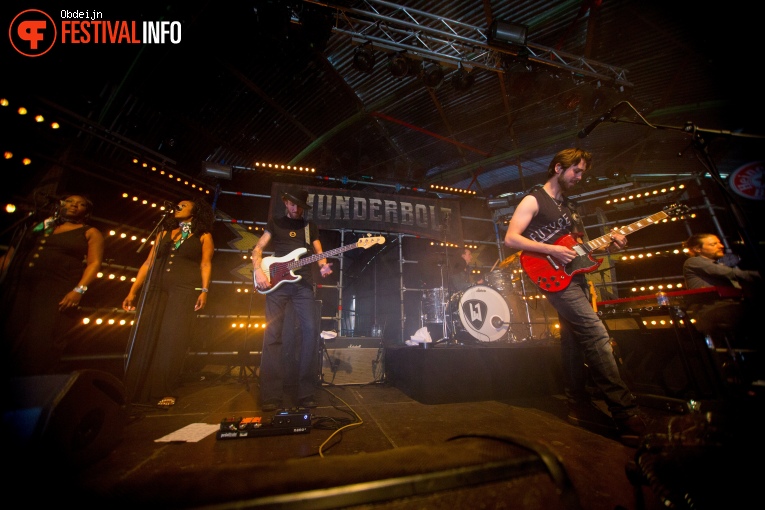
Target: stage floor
(375,430)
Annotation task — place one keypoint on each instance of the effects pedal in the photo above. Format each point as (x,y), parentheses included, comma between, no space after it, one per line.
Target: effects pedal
(285,421)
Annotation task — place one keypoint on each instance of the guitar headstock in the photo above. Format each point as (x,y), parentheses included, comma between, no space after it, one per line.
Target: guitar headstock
(366,242)
(676,210)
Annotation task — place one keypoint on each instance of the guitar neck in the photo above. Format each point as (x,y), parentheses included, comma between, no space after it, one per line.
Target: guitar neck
(605,240)
(318,256)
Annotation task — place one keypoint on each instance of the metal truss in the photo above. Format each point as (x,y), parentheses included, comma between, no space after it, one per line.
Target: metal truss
(395,28)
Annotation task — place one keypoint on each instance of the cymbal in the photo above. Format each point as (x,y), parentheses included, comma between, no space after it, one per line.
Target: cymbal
(508,261)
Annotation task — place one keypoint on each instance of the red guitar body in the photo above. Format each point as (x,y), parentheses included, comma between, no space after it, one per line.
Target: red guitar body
(550,274)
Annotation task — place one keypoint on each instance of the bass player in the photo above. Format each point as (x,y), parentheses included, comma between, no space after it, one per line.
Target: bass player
(282,349)
(541,218)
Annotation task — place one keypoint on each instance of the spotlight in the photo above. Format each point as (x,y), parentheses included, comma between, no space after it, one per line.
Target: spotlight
(506,32)
(432,75)
(399,65)
(364,60)
(462,80)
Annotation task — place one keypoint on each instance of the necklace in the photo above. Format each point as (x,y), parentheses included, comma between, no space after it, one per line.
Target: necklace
(184,233)
(558,203)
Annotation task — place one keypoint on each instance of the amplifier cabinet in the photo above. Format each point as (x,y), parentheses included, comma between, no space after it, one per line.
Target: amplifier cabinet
(352,360)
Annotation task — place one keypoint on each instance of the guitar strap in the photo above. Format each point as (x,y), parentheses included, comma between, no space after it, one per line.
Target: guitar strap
(578,227)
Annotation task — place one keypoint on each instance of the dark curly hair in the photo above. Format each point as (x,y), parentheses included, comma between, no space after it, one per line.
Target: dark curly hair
(204,217)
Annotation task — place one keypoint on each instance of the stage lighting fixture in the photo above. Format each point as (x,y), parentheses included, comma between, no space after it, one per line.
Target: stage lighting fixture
(364,59)
(498,203)
(462,80)
(399,65)
(217,171)
(507,32)
(432,75)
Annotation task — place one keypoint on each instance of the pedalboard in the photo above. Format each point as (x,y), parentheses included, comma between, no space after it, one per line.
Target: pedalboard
(284,422)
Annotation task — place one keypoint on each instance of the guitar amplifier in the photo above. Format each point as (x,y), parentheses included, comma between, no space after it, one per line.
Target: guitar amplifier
(352,360)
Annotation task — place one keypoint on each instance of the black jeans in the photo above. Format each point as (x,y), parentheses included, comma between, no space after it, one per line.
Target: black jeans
(585,340)
(289,360)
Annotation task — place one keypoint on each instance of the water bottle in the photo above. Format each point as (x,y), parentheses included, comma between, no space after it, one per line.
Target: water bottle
(662,298)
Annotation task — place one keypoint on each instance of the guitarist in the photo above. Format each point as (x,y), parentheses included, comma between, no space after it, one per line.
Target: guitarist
(542,217)
(281,352)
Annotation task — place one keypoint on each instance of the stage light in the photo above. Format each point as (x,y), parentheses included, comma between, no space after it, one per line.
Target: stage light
(364,60)
(507,32)
(399,65)
(217,171)
(498,203)
(432,75)
(462,80)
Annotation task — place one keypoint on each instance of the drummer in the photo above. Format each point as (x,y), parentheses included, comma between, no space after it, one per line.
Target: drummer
(461,272)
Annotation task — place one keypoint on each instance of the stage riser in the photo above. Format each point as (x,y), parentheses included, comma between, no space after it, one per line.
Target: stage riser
(448,374)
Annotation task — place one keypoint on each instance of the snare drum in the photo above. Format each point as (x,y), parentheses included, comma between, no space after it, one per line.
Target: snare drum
(483,313)
(433,305)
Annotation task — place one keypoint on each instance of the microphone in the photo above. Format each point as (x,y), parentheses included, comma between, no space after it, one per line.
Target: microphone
(171,206)
(586,131)
(497,322)
(51,198)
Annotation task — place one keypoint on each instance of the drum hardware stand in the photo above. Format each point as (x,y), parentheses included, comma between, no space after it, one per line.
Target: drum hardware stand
(444,292)
(450,338)
(526,307)
(449,327)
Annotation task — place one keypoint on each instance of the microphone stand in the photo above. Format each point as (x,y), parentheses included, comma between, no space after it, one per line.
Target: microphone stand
(243,352)
(700,145)
(144,293)
(22,229)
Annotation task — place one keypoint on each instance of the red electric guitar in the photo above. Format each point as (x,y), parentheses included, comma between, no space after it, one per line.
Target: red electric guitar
(278,270)
(552,276)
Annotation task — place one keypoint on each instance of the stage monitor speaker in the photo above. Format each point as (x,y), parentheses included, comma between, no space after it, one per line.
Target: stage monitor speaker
(74,418)
(352,360)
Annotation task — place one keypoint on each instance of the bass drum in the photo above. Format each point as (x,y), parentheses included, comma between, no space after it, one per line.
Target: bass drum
(481,312)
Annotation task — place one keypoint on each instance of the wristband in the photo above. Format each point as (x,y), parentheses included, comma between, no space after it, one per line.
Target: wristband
(203,289)
(80,289)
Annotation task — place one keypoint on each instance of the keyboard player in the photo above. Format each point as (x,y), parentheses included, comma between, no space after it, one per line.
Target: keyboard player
(704,268)
(728,321)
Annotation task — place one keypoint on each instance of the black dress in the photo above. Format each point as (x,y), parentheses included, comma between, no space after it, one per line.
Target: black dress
(164,322)
(44,269)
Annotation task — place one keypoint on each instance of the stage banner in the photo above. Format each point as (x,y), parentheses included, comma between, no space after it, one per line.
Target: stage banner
(433,218)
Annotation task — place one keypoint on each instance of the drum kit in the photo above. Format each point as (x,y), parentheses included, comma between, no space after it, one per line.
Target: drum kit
(502,309)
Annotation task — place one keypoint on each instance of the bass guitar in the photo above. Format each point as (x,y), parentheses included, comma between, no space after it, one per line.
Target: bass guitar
(279,270)
(550,275)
